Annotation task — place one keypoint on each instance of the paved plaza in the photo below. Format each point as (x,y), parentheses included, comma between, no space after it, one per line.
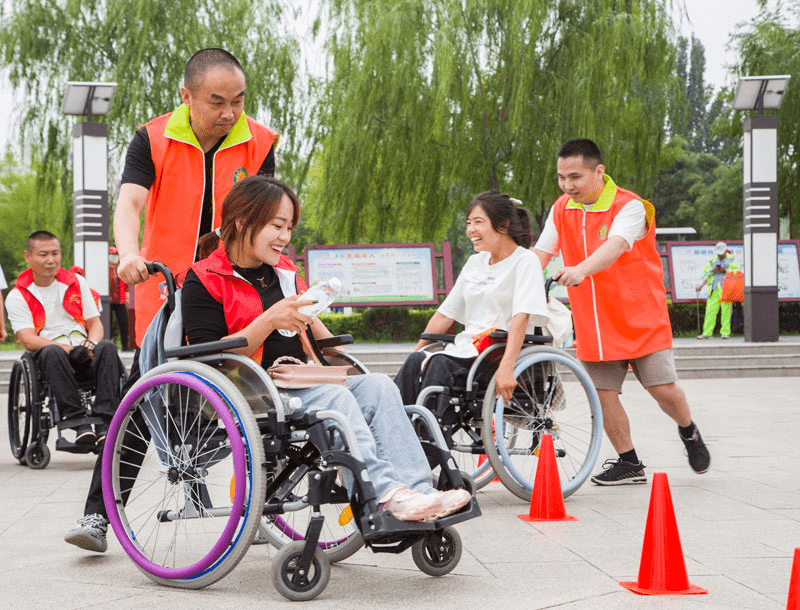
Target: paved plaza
(739,524)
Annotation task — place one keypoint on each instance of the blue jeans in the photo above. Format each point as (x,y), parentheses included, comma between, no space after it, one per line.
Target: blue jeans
(389,446)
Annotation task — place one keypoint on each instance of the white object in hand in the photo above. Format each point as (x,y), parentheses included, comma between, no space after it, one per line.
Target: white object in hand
(323,294)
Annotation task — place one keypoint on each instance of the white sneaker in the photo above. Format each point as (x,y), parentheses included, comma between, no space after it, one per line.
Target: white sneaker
(409,505)
(453,500)
(90,534)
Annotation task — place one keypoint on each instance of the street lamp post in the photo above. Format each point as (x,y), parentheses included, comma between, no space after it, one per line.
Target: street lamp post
(760,204)
(90,220)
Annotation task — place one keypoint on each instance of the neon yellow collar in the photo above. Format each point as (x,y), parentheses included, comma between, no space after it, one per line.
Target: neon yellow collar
(603,202)
(179,128)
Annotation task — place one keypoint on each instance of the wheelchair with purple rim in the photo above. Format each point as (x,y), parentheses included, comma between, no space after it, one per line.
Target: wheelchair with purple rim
(227,457)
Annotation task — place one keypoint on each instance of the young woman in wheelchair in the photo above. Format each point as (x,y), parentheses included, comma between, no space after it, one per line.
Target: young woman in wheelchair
(246,288)
(500,287)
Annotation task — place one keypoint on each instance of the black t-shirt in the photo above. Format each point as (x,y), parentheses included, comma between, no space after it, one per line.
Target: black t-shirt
(140,170)
(204,316)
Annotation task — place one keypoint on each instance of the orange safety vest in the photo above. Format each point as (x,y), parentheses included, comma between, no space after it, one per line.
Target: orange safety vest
(240,300)
(73,300)
(619,313)
(175,199)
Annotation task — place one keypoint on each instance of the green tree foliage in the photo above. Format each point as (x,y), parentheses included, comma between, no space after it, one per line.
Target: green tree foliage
(431,102)
(25,207)
(142,45)
(772,46)
(695,189)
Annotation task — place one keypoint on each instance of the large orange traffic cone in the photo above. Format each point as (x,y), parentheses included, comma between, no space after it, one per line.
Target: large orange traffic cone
(547,499)
(793,603)
(662,570)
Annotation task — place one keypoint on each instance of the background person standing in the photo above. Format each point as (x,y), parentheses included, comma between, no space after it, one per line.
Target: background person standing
(118,297)
(714,275)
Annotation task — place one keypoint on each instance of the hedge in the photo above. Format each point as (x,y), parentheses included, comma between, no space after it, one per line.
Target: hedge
(401,325)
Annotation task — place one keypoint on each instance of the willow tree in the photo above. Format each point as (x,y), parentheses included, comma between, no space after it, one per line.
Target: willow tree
(143,46)
(431,101)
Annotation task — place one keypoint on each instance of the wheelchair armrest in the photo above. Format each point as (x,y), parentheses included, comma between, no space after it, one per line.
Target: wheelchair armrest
(502,335)
(436,337)
(203,349)
(335,341)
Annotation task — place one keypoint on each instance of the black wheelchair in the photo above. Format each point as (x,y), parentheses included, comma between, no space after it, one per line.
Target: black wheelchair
(489,438)
(33,411)
(231,457)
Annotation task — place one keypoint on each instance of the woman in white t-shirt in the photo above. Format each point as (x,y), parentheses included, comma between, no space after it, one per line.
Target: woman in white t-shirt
(501,287)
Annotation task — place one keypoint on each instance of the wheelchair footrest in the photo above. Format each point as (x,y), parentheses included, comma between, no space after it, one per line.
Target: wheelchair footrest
(382,527)
(63,444)
(78,421)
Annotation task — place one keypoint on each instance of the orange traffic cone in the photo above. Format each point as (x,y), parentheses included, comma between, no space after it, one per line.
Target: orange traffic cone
(547,500)
(662,570)
(793,603)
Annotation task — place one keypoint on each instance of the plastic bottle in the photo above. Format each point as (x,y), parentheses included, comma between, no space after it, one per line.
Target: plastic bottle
(323,294)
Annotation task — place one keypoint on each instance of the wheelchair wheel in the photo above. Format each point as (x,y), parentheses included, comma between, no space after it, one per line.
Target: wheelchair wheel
(438,553)
(21,391)
(295,584)
(339,538)
(37,456)
(554,395)
(196,501)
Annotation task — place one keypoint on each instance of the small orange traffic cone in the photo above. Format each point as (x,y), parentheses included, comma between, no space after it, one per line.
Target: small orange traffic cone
(662,570)
(793,602)
(547,499)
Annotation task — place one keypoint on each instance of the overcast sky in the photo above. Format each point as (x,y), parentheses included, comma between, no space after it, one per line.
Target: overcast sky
(712,21)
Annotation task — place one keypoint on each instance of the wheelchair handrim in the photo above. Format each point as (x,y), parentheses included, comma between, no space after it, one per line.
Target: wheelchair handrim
(203,387)
(577,480)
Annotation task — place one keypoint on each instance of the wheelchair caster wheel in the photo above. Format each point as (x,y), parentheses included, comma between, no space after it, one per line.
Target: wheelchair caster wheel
(37,456)
(291,582)
(438,553)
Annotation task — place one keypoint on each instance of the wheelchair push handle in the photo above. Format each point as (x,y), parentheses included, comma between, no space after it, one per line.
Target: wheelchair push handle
(156,267)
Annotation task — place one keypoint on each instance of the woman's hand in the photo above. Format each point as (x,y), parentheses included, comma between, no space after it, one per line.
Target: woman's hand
(285,315)
(505,382)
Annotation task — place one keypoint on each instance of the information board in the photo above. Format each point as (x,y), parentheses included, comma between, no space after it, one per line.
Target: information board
(386,274)
(688,259)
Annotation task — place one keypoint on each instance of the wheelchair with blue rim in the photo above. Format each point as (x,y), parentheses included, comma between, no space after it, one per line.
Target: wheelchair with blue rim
(222,456)
(490,438)
(33,411)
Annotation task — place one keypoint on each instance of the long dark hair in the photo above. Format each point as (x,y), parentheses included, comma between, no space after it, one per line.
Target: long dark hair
(250,204)
(505,216)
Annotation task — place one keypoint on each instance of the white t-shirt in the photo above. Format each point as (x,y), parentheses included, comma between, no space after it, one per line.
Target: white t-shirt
(488,296)
(3,284)
(59,326)
(629,223)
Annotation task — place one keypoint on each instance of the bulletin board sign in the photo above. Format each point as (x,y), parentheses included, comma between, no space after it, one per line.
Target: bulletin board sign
(687,259)
(376,274)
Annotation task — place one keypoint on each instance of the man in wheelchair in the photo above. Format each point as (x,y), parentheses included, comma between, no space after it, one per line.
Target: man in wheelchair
(54,316)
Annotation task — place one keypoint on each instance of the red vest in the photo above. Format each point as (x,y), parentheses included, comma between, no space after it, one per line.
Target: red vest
(239,299)
(73,301)
(175,199)
(619,313)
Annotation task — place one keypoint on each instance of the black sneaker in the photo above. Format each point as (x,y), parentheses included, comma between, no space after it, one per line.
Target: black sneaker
(699,458)
(84,435)
(620,472)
